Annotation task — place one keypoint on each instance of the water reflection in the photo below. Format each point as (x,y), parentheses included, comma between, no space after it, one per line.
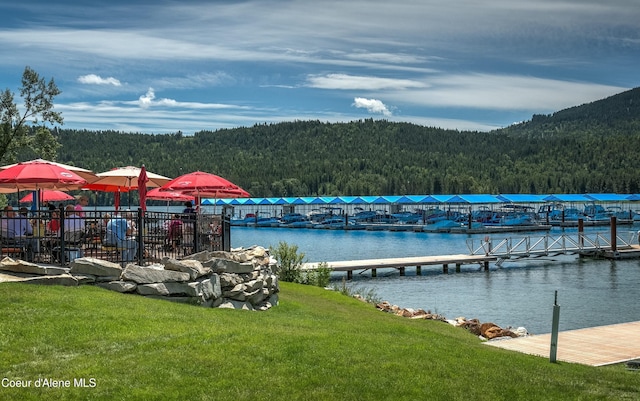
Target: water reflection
(519,293)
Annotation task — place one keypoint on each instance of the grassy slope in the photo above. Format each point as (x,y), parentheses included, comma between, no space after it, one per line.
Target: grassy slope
(317,345)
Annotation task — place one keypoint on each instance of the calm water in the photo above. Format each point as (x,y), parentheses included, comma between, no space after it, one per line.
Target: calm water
(520,293)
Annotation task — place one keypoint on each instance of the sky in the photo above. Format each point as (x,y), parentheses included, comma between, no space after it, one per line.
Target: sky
(167,66)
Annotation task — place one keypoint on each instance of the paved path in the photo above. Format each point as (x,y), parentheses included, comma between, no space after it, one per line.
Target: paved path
(595,346)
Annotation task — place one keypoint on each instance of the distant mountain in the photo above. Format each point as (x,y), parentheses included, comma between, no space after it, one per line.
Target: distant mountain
(594,147)
(617,113)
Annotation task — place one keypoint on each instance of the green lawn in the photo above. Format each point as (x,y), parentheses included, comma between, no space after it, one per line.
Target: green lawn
(316,345)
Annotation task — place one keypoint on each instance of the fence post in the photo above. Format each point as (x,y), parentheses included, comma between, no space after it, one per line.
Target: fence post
(62,245)
(139,236)
(554,330)
(196,234)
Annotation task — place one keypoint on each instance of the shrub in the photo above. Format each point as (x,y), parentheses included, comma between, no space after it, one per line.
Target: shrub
(290,267)
(289,262)
(319,277)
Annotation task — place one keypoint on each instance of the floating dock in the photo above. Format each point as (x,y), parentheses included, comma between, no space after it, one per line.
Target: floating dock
(594,346)
(402,263)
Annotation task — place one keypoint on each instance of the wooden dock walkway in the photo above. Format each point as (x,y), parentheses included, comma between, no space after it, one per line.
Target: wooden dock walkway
(595,346)
(401,263)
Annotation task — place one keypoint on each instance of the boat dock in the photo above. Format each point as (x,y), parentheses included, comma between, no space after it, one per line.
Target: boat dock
(594,346)
(483,251)
(402,263)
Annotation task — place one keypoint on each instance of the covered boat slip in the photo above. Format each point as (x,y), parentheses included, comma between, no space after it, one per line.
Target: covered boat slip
(550,209)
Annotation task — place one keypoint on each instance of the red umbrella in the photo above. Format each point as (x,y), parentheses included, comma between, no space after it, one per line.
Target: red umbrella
(36,175)
(82,172)
(200,184)
(142,188)
(156,194)
(48,195)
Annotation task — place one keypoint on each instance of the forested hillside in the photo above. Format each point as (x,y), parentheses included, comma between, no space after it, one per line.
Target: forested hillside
(589,148)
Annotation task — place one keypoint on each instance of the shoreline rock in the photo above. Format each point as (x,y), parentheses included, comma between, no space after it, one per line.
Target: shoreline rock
(485,331)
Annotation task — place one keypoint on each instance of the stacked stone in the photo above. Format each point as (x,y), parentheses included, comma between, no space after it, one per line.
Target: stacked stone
(242,279)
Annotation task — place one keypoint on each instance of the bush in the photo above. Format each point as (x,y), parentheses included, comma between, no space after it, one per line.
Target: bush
(290,267)
(289,262)
(319,277)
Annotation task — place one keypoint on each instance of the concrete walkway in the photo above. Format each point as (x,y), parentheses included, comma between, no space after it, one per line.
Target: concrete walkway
(595,346)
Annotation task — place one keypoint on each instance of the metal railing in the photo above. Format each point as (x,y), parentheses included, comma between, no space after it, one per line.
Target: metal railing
(58,238)
(548,245)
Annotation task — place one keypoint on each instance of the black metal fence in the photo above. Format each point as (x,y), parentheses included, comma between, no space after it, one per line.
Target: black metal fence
(56,237)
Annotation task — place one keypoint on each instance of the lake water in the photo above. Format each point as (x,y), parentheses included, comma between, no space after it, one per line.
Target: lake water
(519,293)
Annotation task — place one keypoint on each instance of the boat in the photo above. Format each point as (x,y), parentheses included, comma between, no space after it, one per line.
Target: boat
(264,222)
(243,221)
(407,217)
(595,212)
(294,220)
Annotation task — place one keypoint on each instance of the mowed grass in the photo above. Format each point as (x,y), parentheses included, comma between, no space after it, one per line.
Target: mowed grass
(316,345)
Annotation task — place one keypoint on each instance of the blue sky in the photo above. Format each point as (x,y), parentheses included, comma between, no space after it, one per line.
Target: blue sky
(168,66)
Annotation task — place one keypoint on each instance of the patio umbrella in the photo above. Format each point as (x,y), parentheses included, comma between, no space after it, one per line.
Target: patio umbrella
(202,184)
(48,195)
(142,188)
(169,196)
(124,179)
(157,194)
(127,177)
(36,175)
(82,172)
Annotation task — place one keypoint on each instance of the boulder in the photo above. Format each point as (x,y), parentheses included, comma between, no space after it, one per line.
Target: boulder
(20,266)
(169,289)
(228,280)
(231,266)
(233,304)
(210,287)
(236,293)
(142,275)
(493,332)
(191,266)
(486,326)
(95,267)
(62,279)
(119,286)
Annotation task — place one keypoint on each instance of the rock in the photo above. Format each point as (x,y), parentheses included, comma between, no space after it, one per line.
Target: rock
(210,287)
(168,289)
(255,298)
(231,266)
(63,279)
(20,266)
(521,332)
(493,332)
(486,326)
(191,266)
(119,286)
(254,285)
(236,293)
(95,267)
(141,275)
(233,304)
(228,280)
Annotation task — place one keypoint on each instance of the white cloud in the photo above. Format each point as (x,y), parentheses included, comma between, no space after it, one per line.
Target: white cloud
(344,81)
(93,79)
(147,99)
(372,105)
